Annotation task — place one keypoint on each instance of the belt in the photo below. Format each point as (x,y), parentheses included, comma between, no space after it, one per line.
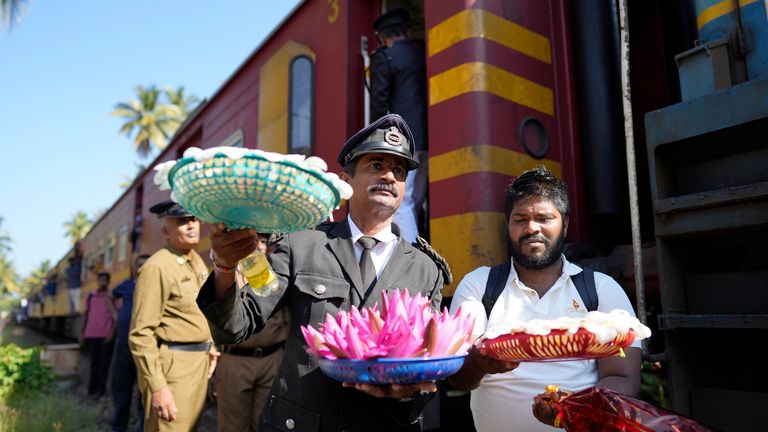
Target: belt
(187,346)
(253,352)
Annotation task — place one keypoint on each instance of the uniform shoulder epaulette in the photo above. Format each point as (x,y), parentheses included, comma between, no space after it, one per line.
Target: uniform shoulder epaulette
(442,264)
(276,237)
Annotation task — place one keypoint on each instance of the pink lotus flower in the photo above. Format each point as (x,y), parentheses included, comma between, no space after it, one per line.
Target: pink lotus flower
(406,327)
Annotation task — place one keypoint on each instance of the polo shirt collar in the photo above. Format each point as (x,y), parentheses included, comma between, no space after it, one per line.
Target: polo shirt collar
(569,269)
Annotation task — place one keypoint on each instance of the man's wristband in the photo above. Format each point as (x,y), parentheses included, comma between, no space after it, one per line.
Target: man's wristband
(217,268)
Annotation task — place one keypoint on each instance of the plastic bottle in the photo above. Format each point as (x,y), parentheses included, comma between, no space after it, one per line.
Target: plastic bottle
(260,275)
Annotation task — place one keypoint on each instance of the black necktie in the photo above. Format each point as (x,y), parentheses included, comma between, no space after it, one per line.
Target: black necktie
(367,270)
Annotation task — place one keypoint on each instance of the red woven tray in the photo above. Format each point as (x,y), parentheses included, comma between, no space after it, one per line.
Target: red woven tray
(556,346)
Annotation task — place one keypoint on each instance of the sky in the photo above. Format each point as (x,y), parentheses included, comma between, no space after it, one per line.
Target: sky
(63,68)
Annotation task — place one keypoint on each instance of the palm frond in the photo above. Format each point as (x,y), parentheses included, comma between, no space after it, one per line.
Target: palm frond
(150,121)
(10,12)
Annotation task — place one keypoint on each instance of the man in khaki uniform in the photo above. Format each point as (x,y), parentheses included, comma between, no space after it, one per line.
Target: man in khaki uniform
(246,370)
(169,337)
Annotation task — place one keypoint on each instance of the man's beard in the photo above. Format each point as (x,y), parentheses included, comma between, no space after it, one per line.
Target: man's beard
(550,256)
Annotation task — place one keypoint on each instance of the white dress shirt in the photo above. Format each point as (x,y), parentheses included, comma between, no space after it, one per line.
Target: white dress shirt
(382,252)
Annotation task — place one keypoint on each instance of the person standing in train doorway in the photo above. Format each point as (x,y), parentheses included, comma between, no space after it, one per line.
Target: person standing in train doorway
(246,370)
(169,337)
(398,86)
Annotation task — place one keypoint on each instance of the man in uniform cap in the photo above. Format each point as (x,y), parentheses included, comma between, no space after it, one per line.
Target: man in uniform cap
(326,270)
(399,86)
(169,337)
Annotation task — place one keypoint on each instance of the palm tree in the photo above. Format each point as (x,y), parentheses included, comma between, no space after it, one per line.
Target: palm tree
(10,12)
(153,121)
(35,279)
(8,276)
(9,279)
(185,103)
(78,227)
(5,240)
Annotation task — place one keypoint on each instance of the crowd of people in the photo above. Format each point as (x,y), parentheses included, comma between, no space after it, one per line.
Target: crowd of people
(179,325)
(156,338)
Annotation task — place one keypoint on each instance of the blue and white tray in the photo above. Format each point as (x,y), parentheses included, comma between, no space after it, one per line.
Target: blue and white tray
(253,189)
(391,370)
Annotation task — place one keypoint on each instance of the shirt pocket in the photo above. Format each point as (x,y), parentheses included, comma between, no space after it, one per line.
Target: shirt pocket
(186,291)
(317,295)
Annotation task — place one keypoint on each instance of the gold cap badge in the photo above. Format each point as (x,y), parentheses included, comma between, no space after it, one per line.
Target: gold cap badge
(393,137)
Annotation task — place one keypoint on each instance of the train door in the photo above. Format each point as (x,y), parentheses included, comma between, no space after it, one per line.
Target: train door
(500,102)
(395,82)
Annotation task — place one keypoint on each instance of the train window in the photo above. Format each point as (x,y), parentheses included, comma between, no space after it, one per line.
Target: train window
(101,255)
(109,251)
(234,140)
(122,247)
(301,105)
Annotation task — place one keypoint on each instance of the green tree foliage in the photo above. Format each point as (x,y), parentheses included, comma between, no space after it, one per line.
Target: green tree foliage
(35,278)
(27,285)
(10,12)
(186,103)
(151,120)
(22,370)
(5,238)
(77,227)
(9,279)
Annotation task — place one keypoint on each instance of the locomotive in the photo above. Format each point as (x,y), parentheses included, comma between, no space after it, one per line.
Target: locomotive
(513,84)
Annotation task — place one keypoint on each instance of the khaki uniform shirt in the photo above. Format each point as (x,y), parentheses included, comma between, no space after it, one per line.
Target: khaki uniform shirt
(164,310)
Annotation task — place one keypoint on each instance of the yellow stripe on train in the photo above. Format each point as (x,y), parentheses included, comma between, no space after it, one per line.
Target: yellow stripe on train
(478,23)
(485,158)
(719,9)
(484,77)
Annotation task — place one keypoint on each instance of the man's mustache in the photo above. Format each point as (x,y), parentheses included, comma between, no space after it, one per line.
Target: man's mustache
(536,237)
(384,187)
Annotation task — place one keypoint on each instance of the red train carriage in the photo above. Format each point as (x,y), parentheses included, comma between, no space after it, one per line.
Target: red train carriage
(501,100)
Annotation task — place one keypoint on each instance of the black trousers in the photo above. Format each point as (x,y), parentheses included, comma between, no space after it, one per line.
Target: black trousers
(123,382)
(100,352)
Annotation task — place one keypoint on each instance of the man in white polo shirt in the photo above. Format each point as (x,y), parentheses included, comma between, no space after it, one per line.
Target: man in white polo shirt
(507,396)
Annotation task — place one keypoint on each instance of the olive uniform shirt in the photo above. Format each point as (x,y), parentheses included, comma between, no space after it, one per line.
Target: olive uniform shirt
(165,310)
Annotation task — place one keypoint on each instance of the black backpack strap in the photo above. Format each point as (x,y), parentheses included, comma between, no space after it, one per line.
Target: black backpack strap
(585,285)
(497,278)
